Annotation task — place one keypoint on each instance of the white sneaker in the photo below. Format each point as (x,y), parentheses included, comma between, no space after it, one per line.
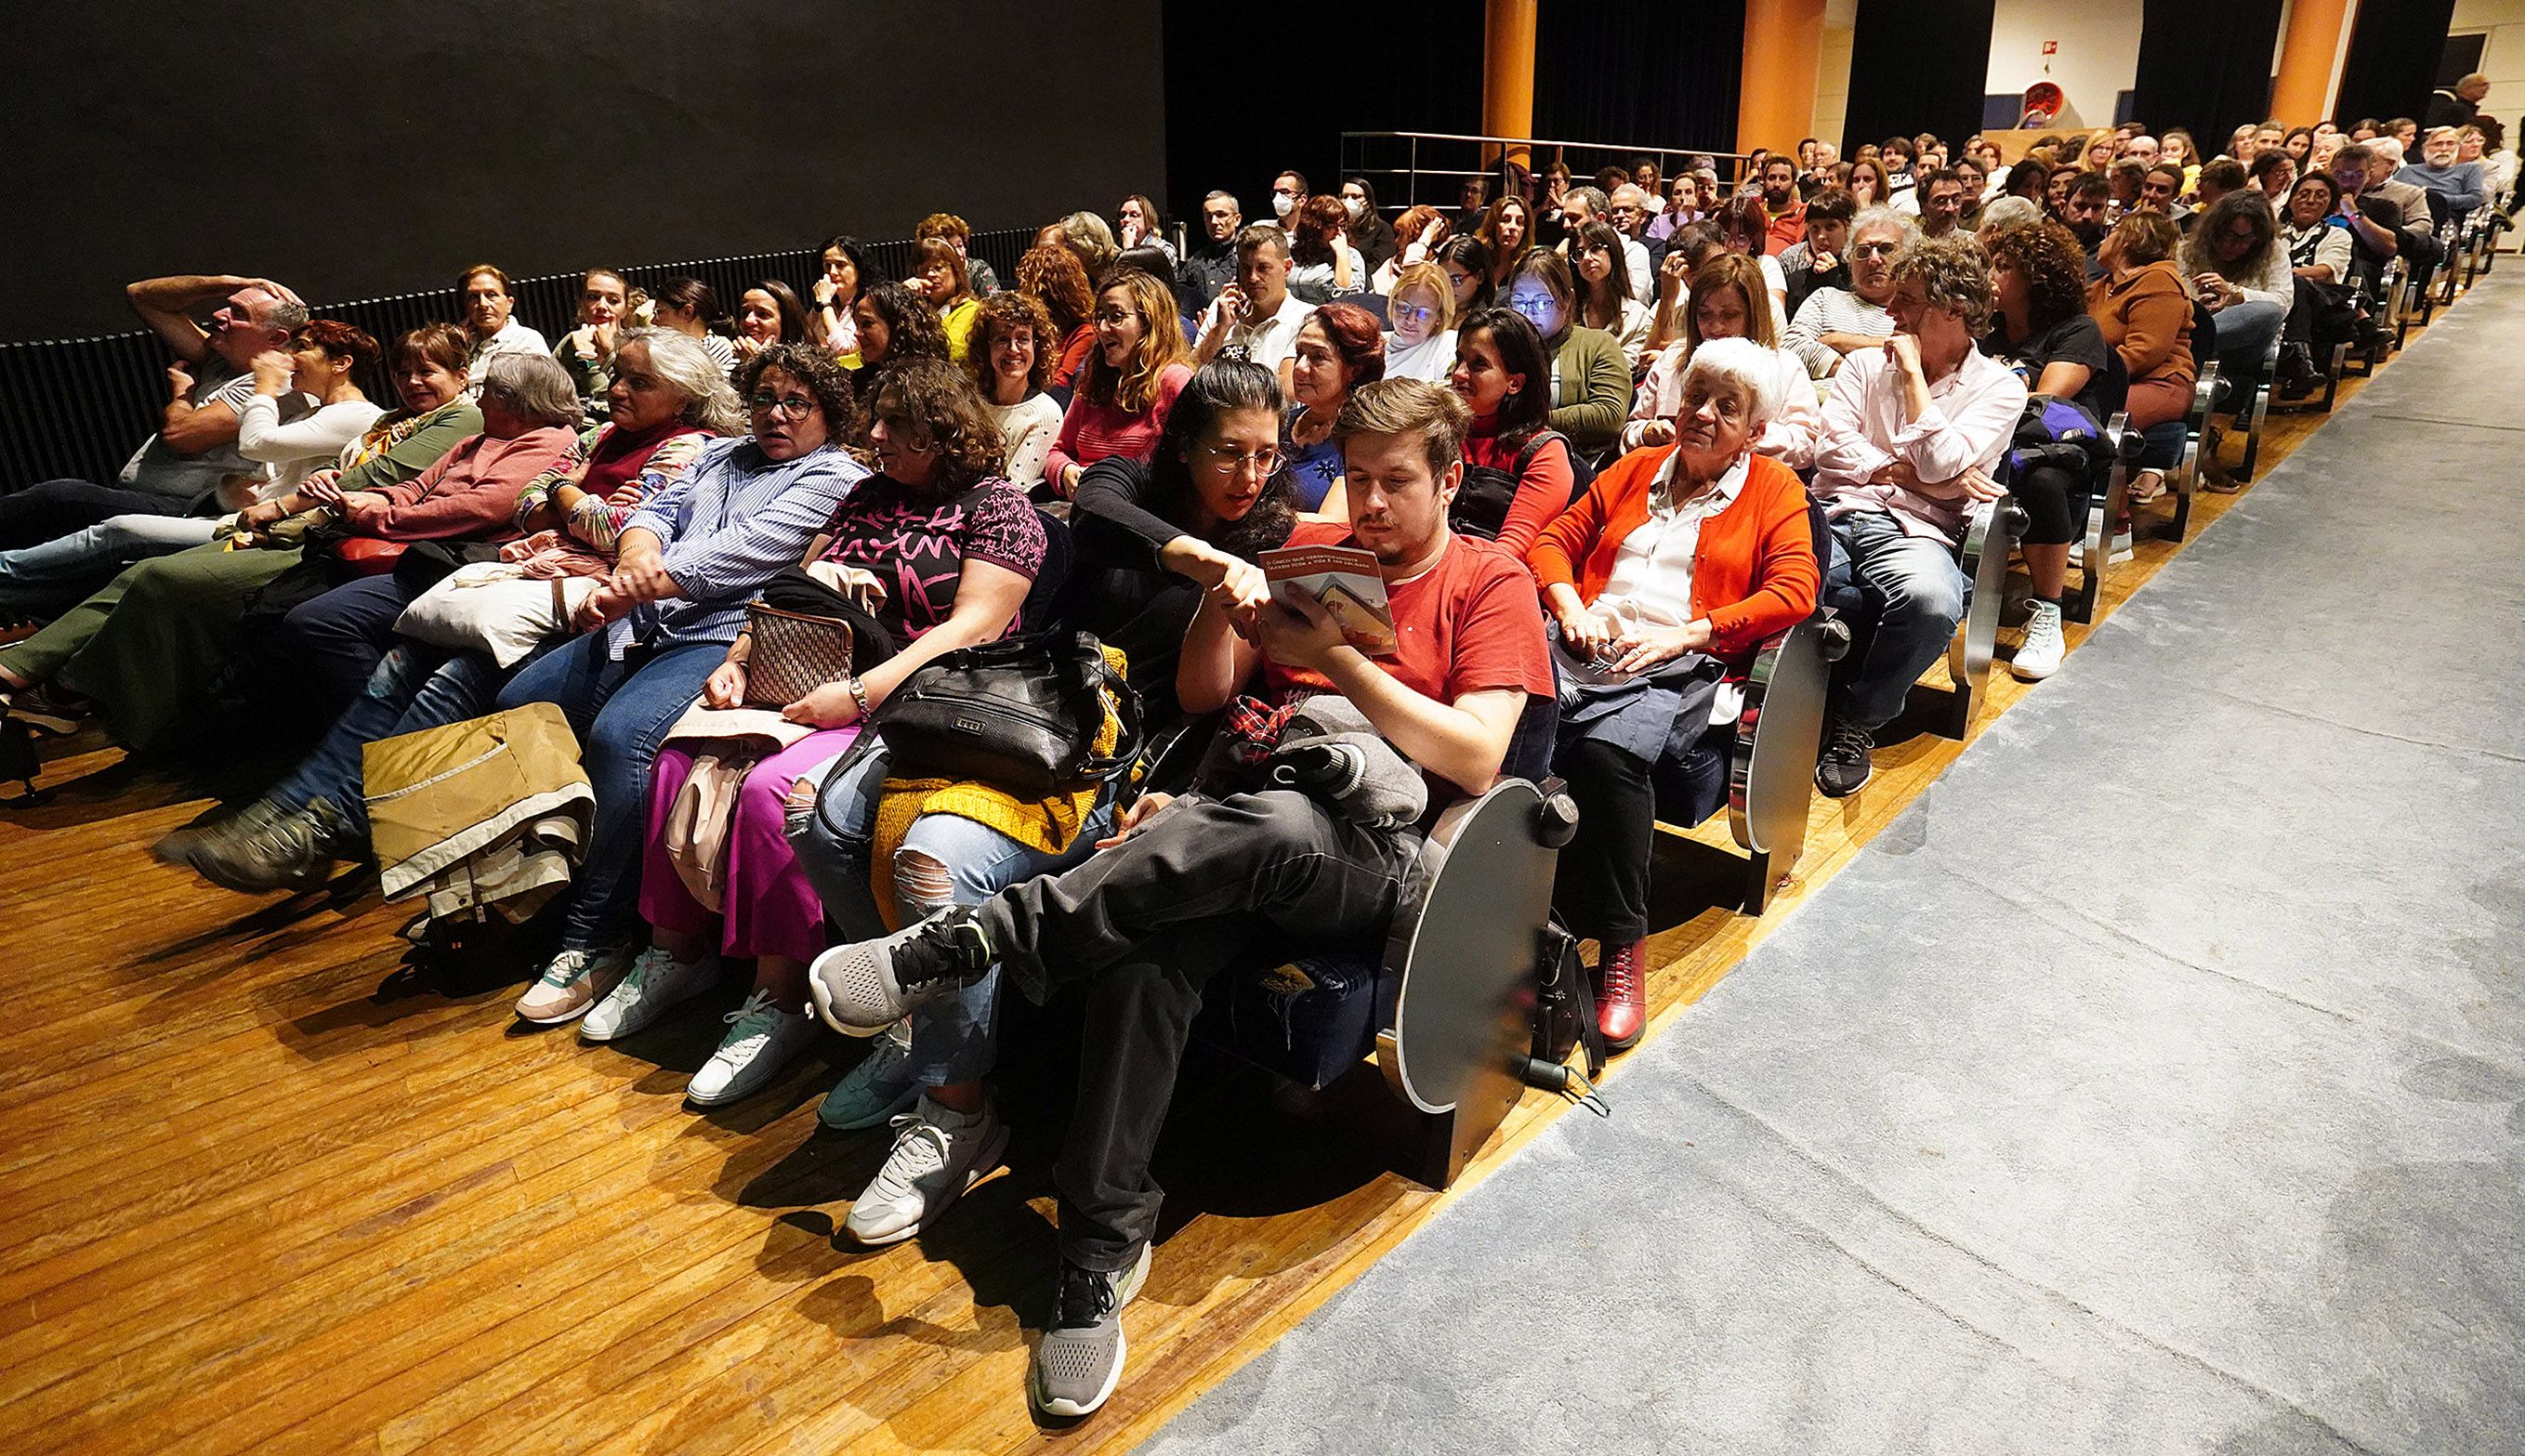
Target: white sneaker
(937,1155)
(657,983)
(760,1040)
(571,981)
(876,1088)
(2038,657)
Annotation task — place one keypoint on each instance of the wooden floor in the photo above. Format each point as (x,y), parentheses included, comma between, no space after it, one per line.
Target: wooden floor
(267,1187)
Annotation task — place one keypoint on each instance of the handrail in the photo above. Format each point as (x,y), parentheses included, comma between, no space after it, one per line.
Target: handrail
(1545,141)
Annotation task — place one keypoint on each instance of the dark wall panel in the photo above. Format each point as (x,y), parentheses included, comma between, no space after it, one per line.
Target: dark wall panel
(360,147)
(2392,60)
(2208,89)
(1918,66)
(1250,92)
(1639,72)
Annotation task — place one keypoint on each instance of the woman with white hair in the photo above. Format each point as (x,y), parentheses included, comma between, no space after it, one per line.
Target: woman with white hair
(1664,580)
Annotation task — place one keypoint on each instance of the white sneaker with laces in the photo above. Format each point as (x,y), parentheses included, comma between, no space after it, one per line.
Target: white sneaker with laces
(657,983)
(2038,657)
(571,981)
(937,1155)
(760,1040)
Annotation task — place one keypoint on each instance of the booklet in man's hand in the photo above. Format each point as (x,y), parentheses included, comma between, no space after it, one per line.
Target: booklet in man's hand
(1344,578)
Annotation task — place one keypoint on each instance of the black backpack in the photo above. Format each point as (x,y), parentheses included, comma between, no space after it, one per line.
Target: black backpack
(1483,499)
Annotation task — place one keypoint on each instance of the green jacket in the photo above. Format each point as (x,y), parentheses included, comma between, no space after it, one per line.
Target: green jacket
(1593,395)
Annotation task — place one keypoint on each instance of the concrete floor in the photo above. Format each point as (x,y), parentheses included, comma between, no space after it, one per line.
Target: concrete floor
(2154,1084)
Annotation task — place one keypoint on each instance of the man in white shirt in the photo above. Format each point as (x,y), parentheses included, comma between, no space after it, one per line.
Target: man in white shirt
(1629,211)
(1256,312)
(1834,323)
(1911,437)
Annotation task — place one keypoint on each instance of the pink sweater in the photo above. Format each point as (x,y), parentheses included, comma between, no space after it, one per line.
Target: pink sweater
(472,491)
(1091,432)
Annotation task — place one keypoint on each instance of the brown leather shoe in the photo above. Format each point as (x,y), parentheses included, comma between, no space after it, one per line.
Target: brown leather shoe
(1623,1004)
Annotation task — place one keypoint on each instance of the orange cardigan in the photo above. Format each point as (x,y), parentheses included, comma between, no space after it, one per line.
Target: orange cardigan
(2147,319)
(1754,572)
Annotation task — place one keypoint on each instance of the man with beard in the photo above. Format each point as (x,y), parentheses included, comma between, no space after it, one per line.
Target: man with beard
(1836,323)
(1788,224)
(1942,202)
(2087,211)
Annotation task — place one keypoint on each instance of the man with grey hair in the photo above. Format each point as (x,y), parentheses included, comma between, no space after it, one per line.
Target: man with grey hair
(1836,323)
(2458,105)
(1911,434)
(1210,264)
(179,470)
(1629,211)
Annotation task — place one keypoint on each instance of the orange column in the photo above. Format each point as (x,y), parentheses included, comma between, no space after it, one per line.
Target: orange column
(2303,94)
(1508,74)
(1783,47)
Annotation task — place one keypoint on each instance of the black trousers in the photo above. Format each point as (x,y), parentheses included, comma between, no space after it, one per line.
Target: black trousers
(1207,886)
(2056,499)
(57,508)
(1602,884)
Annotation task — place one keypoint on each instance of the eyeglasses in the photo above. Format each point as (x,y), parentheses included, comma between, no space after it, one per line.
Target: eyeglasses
(1533,308)
(1225,458)
(1874,250)
(1116,315)
(1410,313)
(795,407)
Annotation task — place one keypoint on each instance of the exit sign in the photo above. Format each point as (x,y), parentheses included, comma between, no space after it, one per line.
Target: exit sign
(2051,47)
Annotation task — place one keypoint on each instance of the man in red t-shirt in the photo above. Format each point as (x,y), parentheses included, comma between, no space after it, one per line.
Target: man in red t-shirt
(1193,885)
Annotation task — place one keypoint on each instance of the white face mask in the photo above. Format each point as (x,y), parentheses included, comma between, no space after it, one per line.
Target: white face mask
(1354,207)
(1281,202)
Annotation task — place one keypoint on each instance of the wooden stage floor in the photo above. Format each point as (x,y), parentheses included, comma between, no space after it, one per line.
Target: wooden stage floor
(267,1187)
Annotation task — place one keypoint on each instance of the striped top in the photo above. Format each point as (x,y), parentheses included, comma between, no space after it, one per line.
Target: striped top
(728,524)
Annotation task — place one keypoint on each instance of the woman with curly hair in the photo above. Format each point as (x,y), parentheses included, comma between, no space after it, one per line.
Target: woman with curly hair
(1010,355)
(956,550)
(1130,381)
(1326,265)
(659,627)
(2040,327)
(895,322)
(1050,275)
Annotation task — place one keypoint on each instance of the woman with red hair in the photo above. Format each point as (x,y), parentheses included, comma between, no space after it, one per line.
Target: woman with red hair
(1339,349)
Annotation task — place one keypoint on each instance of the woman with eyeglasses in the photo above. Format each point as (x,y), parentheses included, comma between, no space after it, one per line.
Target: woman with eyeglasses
(1589,385)
(2239,272)
(952,550)
(1339,348)
(1139,364)
(1465,260)
(1152,534)
(1421,343)
(660,625)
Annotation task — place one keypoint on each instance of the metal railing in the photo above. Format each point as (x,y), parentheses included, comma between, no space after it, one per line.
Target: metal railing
(77,408)
(1413,168)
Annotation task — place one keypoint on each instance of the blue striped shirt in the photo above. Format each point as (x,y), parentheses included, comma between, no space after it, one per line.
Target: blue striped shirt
(729,523)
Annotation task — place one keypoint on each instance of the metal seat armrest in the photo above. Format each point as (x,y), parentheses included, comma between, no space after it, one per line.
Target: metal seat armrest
(1779,733)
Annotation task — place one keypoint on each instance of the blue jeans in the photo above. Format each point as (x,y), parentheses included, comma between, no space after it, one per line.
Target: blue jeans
(620,709)
(104,549)
(415,687)
(333,642)
(957,1040)
(1912,593)
(2245,331)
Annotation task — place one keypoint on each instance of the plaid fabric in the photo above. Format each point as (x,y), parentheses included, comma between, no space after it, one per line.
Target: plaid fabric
(1252,728)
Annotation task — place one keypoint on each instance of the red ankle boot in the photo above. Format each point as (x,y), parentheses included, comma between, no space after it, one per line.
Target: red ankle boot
(1622,1000)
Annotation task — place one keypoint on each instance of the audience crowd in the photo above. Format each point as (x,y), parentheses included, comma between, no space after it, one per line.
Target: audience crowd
(1604,439)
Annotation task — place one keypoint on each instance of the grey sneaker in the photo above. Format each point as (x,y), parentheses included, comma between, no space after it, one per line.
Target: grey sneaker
(937,1156)
(178,846)
(860,990)
(290,853)
(1079,1360)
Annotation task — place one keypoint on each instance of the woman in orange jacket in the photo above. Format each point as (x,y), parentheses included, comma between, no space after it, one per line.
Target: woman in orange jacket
(1664,579)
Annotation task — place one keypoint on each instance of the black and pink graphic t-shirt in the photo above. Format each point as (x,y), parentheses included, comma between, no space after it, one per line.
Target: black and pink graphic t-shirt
(916,546)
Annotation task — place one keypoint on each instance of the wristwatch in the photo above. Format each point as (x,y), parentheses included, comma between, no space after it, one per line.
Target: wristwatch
(859,694)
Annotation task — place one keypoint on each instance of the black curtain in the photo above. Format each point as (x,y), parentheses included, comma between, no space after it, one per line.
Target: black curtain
(2392,60)
(1918,66)
(1248,96)
(1654,74)
(2208,89)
